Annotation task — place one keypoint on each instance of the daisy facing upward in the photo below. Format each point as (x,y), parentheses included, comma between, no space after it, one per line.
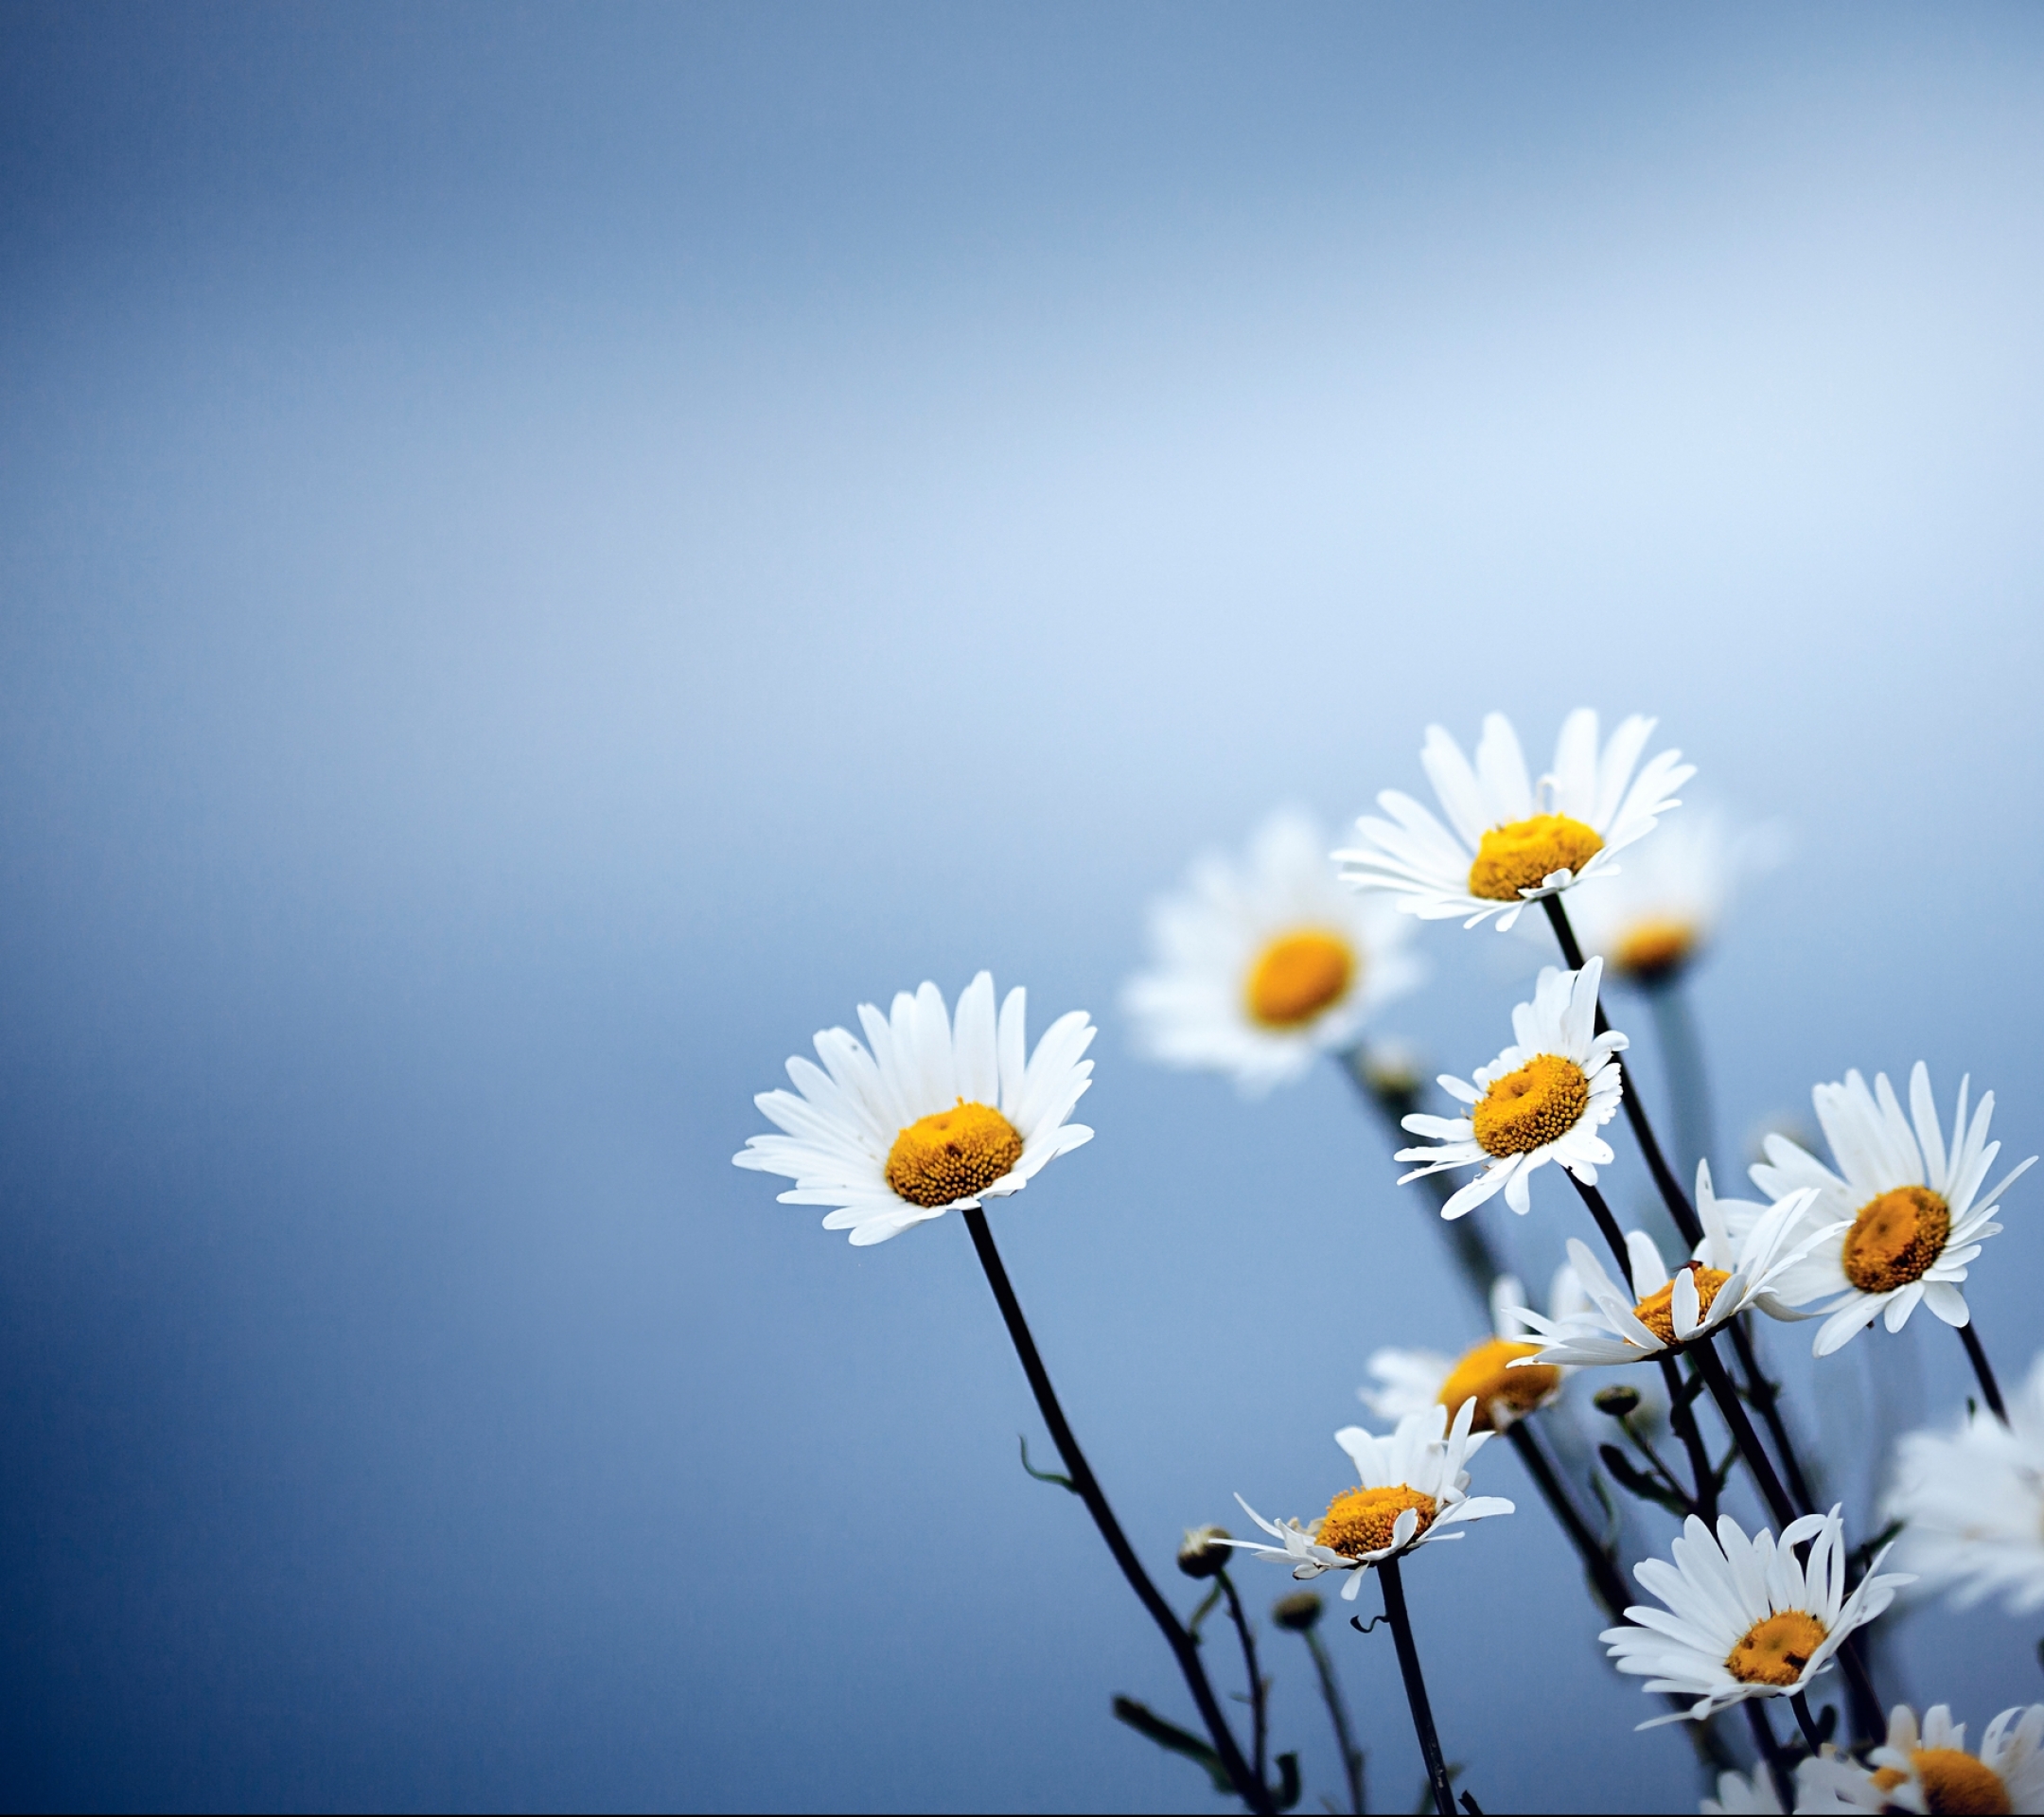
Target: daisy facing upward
(1544,1099)
(1512,842)
(1262,967)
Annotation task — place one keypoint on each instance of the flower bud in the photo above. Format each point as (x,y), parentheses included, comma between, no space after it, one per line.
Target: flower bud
(1202,1555)
(1618,1400)
(1296,1613)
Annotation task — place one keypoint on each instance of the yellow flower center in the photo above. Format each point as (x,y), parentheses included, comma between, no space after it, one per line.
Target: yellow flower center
(1952,1781)
(1299,974)
(1895,1239)
(1539,1104)
(1653,946)
(1487,1377)
(1525,854)
(1776,1650)
(1657,1311)
(951,1153)
(1361,1520)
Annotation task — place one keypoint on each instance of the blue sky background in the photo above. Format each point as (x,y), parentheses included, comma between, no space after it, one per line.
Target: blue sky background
(550,553)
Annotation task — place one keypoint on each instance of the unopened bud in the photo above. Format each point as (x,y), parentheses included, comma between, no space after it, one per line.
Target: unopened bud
(1202,1555)
(1618,1401)
(1296,1613)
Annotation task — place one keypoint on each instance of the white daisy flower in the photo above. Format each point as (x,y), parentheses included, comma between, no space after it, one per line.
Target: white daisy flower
(1542,1100)
(1663,909)
(1413,1490)
(1744,1616)
(1909,1214)
(1745,1795)
(1413,1381)
(1662,1313)
(1261,968)
(1512,844)
(936,1116)
(1930,1770)
(1973,1501)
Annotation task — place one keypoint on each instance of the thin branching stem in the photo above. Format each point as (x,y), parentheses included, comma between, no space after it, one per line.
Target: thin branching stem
(1258,1713)
(1248,1787)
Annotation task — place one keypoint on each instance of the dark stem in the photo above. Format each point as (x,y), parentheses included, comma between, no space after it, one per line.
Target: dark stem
(1604,1576)
(1408,1659)
(1395,1100)
(1606,1223)
(1681,1416)
(1338,1714)
(1760,1391)
(1812,1736)
(1682,1053)
(1257,1707)
(1249,1789)
(1671,1190)
(1711,1367)
(1977,1355)
(1770,1751)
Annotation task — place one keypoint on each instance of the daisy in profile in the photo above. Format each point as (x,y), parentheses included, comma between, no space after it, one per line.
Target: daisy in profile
(1973,1503)
(1928,1769)
(1259,968)
(1506,842)
(1411,1382)
(1660,1313)
(1542,1100)
(1745,1618)
(1659,913)
(1413,1490)
(935,1116)
(1907,1217)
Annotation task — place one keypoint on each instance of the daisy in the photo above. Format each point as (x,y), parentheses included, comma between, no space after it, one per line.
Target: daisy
(1512,844)
(1662,1313)
(1973,1501)
(1542,1100)
(934,1117)
(1909,1214)
(1930,1770)
(1261,968)
(1412,1488)
(1654,918)
(1413,1381)
(1744,1616)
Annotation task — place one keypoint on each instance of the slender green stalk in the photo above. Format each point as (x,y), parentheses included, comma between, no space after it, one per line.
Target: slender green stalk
(1422,1716)
(1338,1714)
(1258,1713)
(1977,1355)
(1248,1787)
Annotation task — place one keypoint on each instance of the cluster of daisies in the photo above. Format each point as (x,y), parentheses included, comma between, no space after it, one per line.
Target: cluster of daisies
(1265,966)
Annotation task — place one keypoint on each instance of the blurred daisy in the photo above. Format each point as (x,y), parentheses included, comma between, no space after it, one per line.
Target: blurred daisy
(1973,1501)
(935,1116)
(1745,1618)
(1741,1795)
(1512,843)
(1413,1488)
(1930,1770)
(1909,1214)
(1661,910)
(1542,1100)
(1259,968)
(1662,1313)
(1413,1381)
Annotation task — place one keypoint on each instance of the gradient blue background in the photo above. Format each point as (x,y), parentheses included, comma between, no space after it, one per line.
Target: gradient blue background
(549,552)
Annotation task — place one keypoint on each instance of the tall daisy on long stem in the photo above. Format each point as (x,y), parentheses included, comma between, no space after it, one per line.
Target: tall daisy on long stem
(941,1116)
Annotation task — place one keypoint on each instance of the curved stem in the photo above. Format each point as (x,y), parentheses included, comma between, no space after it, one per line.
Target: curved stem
(1257,1708)
(1604,1577)
(1681,1416)
(1249,1789)
(1770,1751)
(1338,1714)
(1670,1187)
(1812,1736)
(1408,1659)
(1977,1355)
(1607,1225)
